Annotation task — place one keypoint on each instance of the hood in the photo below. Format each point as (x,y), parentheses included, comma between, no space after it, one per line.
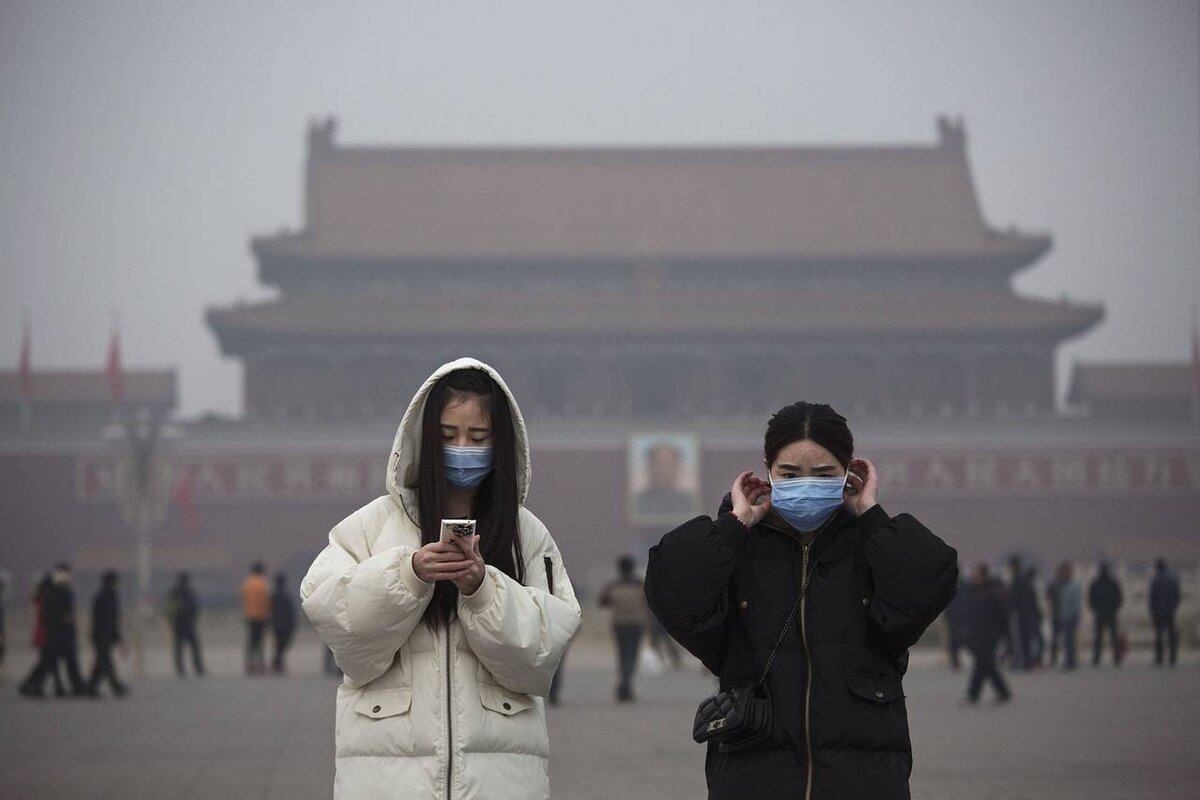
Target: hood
(401,479)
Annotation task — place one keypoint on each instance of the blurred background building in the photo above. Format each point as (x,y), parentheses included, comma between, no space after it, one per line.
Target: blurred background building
(624,293)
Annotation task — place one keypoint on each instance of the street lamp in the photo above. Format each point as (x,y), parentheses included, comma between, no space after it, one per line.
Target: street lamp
(143,484)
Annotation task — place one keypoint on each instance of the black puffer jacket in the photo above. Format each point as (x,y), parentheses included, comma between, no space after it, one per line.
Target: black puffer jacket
(840,724)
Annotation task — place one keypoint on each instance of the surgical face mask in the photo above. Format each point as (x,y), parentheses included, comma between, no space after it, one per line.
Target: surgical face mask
(807,503)
(466,467)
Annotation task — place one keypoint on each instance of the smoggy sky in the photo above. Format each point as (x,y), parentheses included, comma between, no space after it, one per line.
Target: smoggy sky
(143,143)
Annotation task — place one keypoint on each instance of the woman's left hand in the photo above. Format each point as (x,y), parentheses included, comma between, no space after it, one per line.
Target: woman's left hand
(862,487)
(469,580)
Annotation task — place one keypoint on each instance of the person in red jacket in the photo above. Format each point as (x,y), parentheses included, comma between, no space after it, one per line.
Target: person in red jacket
(47,663)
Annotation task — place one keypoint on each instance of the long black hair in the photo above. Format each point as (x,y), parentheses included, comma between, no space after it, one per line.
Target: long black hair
(813,421)
(497,500)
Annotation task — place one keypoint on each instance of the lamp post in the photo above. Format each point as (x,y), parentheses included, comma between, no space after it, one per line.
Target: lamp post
(143,483)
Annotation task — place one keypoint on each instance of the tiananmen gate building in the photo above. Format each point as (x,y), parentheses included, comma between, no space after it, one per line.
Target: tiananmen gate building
(642,300)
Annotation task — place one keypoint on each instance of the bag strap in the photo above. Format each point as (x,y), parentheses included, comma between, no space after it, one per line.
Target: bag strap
(787,624)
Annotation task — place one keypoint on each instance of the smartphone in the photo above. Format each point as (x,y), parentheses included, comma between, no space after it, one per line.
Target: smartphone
(457,528)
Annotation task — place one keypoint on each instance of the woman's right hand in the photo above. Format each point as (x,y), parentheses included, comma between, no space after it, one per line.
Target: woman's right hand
(438,561)
(751,498)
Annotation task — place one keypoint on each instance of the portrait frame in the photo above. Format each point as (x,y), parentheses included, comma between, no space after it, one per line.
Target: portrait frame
(673,500)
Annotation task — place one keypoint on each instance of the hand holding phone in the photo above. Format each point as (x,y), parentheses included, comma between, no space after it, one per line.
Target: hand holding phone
(461,534)
(447,558)
(456,529)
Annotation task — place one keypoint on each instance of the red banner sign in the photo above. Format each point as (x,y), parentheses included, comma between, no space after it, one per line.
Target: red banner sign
(318,477)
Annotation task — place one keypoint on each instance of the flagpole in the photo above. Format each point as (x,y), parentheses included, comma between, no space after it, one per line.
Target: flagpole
(112,369)
(26,376)
(1195,365)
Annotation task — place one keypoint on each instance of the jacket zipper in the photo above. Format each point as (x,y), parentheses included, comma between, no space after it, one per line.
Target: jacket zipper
(449,719)
(807,681)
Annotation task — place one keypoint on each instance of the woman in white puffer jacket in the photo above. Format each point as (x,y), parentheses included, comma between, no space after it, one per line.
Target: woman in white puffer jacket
(447,649)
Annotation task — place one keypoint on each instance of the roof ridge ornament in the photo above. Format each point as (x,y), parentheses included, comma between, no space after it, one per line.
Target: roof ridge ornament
(321,134)
(952,133)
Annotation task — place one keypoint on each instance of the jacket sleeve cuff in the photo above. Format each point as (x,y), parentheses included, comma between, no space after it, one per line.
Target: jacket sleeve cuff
(408,577)
(873,519)
(729,526)
(483,595)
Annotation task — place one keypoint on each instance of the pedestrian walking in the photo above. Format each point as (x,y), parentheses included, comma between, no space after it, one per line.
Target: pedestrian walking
(1024,615)
(106,636)
(1068,608)
(183,614)
(1037,637)
(256,609)
(626,597)
(1164,603)
(1105,600)
(61,633)
(662,645)
(806,565)
(283,623)
(46,665)
(988,625)
(448,642)
(956,623)
(1053,589)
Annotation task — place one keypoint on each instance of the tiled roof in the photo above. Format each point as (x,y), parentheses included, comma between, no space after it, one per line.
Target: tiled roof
(614,313)
(1131,380)
(805,203)
(91,386)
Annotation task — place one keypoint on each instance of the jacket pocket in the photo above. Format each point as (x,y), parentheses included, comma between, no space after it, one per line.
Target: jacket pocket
(874,688)
(380,703)
(498,699)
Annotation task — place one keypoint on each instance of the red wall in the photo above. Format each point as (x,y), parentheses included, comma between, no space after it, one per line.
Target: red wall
(580,495)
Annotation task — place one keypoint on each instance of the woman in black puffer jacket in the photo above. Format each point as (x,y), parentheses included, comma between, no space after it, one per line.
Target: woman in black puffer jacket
(723,588)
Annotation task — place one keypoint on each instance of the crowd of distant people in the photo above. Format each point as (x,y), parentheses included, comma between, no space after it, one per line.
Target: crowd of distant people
(265,608)
(56,639)
(999,622)
(1003,622)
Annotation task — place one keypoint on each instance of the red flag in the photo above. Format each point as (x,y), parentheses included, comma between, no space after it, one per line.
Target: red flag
(26,366)
(116,389)
(184,497)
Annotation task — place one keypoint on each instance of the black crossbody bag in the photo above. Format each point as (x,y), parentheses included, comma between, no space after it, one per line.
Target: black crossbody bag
(740,717)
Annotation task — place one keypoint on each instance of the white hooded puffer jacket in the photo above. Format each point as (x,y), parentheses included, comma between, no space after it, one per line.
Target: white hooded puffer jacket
(454,714)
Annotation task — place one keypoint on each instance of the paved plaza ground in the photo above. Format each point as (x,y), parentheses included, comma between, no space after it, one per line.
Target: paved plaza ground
(1098,734)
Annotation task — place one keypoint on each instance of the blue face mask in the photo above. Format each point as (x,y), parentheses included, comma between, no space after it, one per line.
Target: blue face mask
(807,503)
(466,467)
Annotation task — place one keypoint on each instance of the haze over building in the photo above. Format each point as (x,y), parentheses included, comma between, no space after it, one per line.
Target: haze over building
(653,292)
